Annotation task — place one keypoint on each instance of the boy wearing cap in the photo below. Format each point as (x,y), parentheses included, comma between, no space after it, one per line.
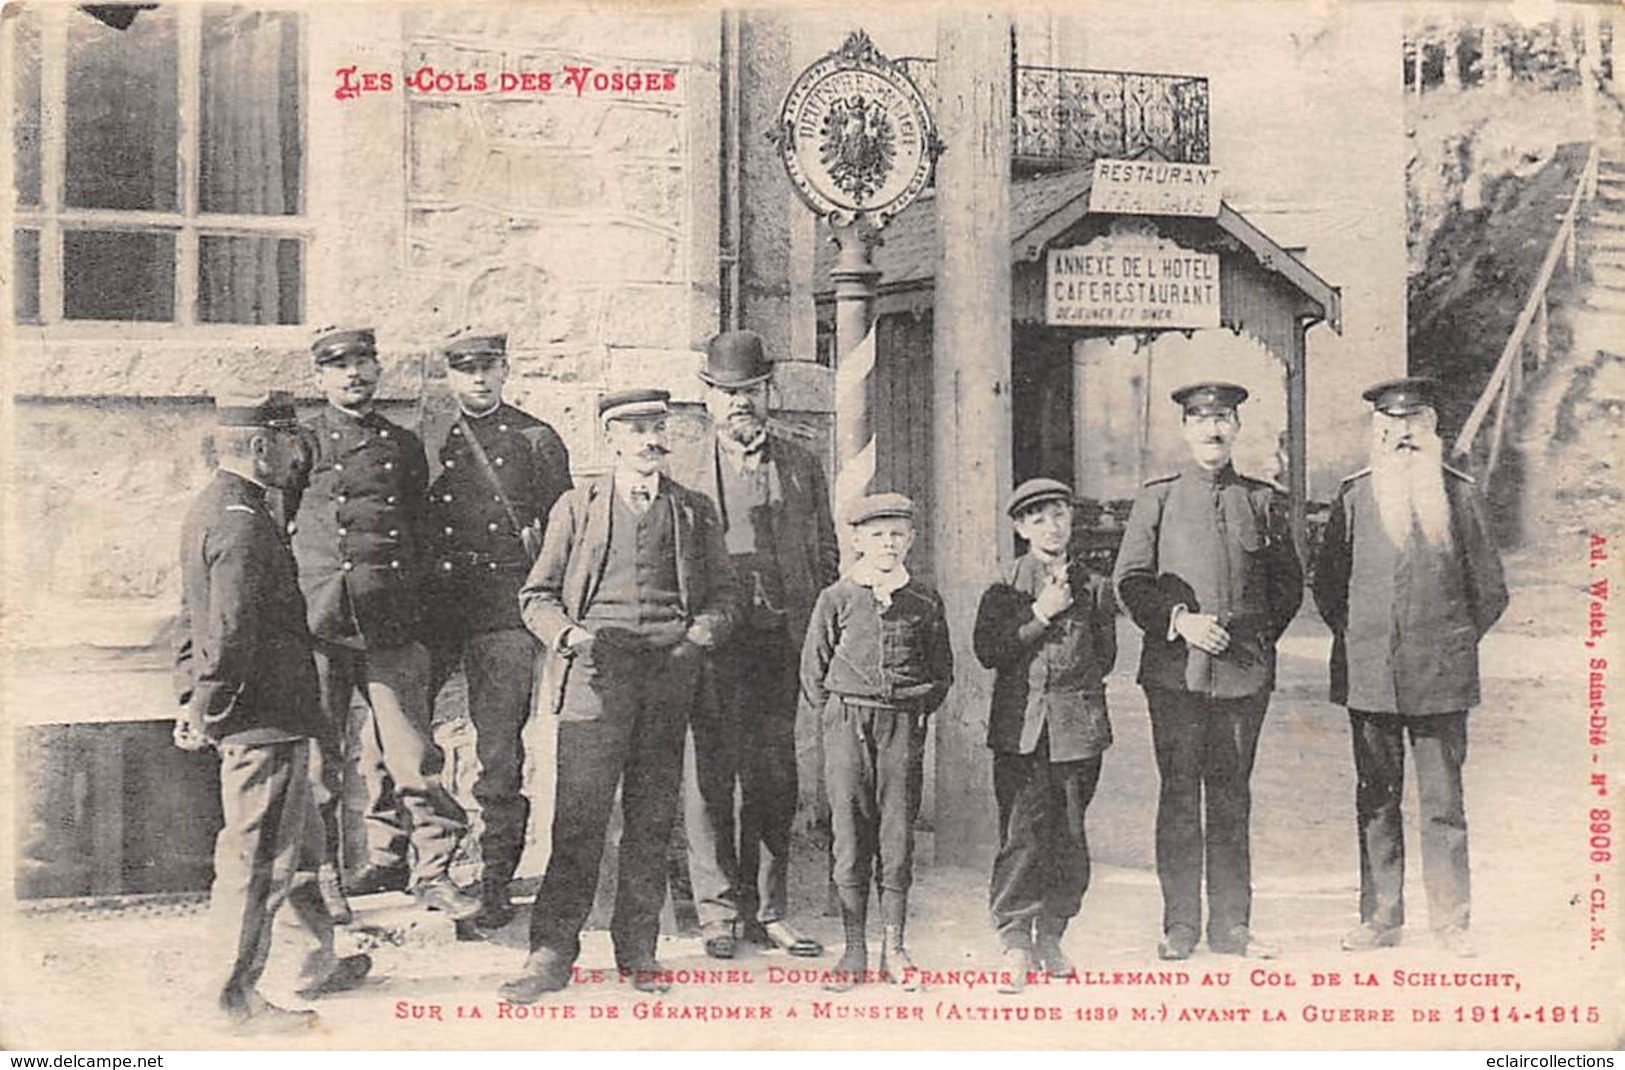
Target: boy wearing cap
(632,586)
(358,537)
(1048,629)
(495,473)
(1409,580)
(876,663)
(1208,571)
(247,686)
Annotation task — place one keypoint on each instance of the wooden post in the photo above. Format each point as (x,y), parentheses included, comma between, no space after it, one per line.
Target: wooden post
(1543,343)
(970,398)
(1297,425)
(1452,56)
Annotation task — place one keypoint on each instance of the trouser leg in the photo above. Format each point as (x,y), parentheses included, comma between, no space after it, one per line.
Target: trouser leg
(397,688)
(1071,787)
(1439,744)
(849,776)
(651,791)
(1379,766)
(896,796)
(769,784)
(500,668)
(710,815)
(1176,738)
(1233,727)
(1016,891)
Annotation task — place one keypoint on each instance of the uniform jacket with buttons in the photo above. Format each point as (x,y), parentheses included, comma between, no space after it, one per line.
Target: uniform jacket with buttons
(477,558)
(898,656)
(358,530)
(1048,677)
(1406,621)
(243,650)
(1218,543)
(561,585)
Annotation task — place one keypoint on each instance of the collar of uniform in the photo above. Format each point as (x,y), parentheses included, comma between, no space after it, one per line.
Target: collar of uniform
(358,418)
(1211,477)
(251,490)
(476,417)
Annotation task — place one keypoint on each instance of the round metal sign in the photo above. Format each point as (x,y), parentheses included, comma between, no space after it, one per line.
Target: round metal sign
(856,136)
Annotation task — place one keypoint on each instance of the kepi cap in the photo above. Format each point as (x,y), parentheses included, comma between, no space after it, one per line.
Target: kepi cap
(888,506)
(1210,396)
(625,404)
(1402,397)
(735,359)
(334,345)
(467,350)
(1034,492)
(269,408)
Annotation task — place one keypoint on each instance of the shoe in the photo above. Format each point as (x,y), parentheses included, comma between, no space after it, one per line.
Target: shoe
(349,972)
(495,909)
(258,1016)
(1177,944)
(544,973)
(1369,938)
(779,934)
(442,896)
(332,892)
(1241,941)
(1014,969)
(375,877)
(720,941)
(1458,943)
(896,965)
(852,968)
(1051,959)
(648,975)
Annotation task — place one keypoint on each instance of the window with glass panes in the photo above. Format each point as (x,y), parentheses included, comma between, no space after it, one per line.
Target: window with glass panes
(159,168)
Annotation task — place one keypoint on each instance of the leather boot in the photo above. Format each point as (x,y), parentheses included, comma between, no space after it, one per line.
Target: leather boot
(495,909)
(848,972)
(895,964)
(1051,959)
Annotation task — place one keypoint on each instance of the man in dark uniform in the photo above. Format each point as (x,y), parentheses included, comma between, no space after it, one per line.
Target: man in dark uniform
(247,686)
(632,586)
(1409,581)
(496,472)
(1048,629)
(357,537)
(774,504)
(1208,571)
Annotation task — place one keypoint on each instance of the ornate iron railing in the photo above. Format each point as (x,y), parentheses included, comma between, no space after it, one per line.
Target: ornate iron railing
(1068,117)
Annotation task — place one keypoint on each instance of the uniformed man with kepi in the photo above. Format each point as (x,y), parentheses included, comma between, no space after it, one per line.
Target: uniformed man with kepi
(358,534)
(247,686)
(774,504)
(495,473)
(633,585)
(1409,580)
(1208,571)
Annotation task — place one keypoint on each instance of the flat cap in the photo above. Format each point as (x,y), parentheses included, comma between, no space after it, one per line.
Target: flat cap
(334,346)
(270,408)
(888,506)
(735,359)
(625,404)
(1401,397)
(1034,492)
(469,349)
(1210,395)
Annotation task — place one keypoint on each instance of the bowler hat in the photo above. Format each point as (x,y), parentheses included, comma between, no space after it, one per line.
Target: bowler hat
(1035,492)
(335,345)
(735,359)
(1401,397)
(625,404)
(887,506)
(1210,396)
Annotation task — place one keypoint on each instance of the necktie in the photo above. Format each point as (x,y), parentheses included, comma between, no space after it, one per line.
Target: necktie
(640,500)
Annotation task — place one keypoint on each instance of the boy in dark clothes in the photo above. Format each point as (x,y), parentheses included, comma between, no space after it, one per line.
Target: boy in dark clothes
(1049,632)
(876,663)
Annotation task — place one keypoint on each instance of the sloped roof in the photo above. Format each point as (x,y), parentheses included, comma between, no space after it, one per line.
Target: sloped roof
(1042,208)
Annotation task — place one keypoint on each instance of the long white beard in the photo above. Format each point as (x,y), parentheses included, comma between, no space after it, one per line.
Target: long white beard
(1409,488)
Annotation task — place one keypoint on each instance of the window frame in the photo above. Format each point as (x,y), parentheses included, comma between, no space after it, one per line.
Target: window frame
(51,218)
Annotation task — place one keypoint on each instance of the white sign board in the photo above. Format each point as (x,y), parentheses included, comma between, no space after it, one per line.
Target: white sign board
(1151,187)
(1132,283)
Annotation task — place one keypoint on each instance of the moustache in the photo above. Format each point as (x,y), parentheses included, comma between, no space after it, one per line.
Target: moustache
(653,451)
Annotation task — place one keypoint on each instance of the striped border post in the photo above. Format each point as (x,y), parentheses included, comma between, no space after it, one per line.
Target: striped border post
(856,282)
